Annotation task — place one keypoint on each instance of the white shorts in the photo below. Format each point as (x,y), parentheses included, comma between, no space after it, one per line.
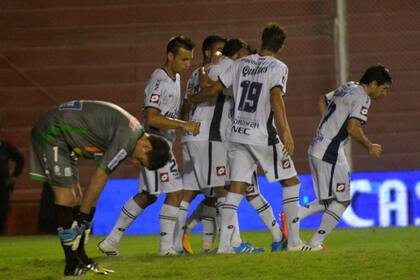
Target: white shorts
(164,180)
(204,165)
(330,180)
(244,159)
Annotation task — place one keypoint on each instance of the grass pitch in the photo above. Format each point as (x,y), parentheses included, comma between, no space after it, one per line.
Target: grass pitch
(377,253)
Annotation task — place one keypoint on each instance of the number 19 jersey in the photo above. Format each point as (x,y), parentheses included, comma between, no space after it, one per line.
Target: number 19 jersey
(252,78)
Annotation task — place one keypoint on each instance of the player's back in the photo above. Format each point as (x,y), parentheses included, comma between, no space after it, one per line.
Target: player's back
(85,124)
(347,101)
(252,79)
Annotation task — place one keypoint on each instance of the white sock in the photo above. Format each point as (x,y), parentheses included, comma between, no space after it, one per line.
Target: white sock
(167,218)
(208,220)
(330,219)
(219,204)
(129,213)
(291,209)
(194,218)
(265,212)
(229,222)
(180,225)
(312,208)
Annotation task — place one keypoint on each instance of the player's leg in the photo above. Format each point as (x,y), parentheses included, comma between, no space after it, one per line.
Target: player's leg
(265,212)
(280,167)
(333,186)
(129,213)
(167,220)
(188,196)
(208,219)
(329,221)
(229,216)
(69,233)
(315,206)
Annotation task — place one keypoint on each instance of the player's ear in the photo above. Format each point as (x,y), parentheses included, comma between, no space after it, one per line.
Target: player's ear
(170,56)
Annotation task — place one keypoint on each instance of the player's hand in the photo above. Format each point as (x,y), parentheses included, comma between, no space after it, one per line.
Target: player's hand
(288,142)
(375,150)
(204,79)
(192,127)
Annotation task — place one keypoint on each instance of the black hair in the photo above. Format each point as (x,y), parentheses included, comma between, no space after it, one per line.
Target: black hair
(160,153)
(210,40)
(378,73)
(175,43)
(233,46)
(273,37)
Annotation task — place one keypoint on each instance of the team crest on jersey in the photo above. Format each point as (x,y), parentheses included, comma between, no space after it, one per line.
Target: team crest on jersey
(286,164)
(164,177)
(155,98)
(364,111)
(220,170)
(340,187)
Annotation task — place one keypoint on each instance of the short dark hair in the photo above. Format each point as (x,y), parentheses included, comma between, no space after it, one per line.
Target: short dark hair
(378,73)
(210,40)
(175,43)
(273,37)
(160,153)
(233,46)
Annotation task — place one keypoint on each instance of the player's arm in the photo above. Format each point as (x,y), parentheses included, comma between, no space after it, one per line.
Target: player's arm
(324,101)
(280,119)
(354,128)
(91,195)
(206,93)
(185,108)
(155,119)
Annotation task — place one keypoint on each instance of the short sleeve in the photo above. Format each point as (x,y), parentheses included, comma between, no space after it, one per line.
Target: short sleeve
(279,77)
(121,145)
(213,72)
(153,94)
(360,108)
(226,78)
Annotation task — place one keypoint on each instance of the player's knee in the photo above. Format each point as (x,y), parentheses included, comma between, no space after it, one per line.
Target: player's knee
(65,196)
(290,182)
(251,197)
(210,201)
(345,203)
(174,198)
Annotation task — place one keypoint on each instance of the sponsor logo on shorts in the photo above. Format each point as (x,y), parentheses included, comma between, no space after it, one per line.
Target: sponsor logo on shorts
(164,177)
(364,111)
(286,164)
(340,187)
(221,170)
(155,98)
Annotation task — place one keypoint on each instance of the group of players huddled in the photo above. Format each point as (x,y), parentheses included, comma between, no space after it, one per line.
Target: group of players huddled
(233,120)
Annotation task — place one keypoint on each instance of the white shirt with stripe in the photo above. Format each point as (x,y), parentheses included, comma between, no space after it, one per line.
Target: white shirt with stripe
(164,94)
(346,102)
(252,79)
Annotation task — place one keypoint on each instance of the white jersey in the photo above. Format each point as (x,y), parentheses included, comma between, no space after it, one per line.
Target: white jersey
(164,94)
(211,114)
(346,102)
(252,79)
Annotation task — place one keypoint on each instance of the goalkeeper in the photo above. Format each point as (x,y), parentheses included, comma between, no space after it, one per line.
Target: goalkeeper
(94,130)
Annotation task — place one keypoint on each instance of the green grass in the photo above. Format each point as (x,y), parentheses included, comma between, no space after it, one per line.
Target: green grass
(376,253)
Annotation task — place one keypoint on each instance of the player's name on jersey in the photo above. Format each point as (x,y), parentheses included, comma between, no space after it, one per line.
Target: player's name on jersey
(246,71)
